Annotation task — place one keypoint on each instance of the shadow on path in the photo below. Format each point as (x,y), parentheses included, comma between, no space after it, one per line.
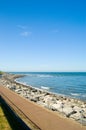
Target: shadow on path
(14,121)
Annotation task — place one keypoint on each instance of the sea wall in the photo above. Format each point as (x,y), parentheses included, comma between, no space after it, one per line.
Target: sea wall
(68,107)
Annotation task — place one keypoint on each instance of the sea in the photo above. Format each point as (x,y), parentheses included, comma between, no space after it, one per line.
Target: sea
(71,84)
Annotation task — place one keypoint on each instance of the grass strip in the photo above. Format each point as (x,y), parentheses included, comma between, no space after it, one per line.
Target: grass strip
(4,123)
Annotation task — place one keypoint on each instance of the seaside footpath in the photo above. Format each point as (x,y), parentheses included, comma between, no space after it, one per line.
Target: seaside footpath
(49,112)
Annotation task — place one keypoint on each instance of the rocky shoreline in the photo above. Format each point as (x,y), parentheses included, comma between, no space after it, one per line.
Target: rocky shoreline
(68,107)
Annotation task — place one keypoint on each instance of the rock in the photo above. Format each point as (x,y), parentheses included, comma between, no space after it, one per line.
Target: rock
(53,107)
(33,99)
(76,108)
(41,103)
(83,106)
(71,113)
(76,116)
(56,106)
(34,90)
(68,111)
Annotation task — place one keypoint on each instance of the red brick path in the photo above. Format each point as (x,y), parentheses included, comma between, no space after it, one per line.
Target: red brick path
(44,119)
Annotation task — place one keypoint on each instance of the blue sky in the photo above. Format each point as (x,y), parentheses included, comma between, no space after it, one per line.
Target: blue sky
(43,35)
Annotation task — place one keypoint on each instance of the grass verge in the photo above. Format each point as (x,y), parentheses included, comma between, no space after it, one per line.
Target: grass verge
(4,124)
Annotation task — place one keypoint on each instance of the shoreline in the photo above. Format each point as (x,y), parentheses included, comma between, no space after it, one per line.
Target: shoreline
(77,93)
(50,92)
(66,106)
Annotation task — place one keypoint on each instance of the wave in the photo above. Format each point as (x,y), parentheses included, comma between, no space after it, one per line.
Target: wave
(46,88)
(75,94)
(23,83)
(48,76)
(39,75)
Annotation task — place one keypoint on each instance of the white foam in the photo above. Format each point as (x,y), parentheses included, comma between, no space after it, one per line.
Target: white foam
(75,94)
(47,76)
(46,88)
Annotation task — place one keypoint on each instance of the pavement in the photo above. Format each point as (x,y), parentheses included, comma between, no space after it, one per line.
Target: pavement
(43,118)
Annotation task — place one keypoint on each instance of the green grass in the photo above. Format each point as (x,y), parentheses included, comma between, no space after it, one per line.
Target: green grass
(4,124)
(7,121)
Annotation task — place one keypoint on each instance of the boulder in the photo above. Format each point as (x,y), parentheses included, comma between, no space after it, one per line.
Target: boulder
(76,108)
(68,111)
(76,116)
(34,99)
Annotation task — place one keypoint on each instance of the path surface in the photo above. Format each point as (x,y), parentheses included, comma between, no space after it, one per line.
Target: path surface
(44,119)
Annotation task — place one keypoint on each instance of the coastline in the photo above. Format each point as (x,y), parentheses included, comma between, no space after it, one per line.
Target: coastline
(46,90)
(65,106)
(72,85)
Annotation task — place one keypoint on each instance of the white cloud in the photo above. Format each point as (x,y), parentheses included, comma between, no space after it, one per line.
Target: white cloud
(26,34)
(21,27)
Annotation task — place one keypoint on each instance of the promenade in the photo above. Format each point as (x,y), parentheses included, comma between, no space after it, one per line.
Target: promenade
(43,118)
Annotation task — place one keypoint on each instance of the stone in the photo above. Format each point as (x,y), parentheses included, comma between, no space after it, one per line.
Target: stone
(68,111)
(76,116)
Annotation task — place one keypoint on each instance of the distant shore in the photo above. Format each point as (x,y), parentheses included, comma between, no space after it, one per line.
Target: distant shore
(66,106)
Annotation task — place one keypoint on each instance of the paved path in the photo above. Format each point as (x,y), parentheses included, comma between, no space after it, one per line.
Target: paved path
(44,119)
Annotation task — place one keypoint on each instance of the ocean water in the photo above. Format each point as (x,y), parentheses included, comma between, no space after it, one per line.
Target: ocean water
(72,84)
